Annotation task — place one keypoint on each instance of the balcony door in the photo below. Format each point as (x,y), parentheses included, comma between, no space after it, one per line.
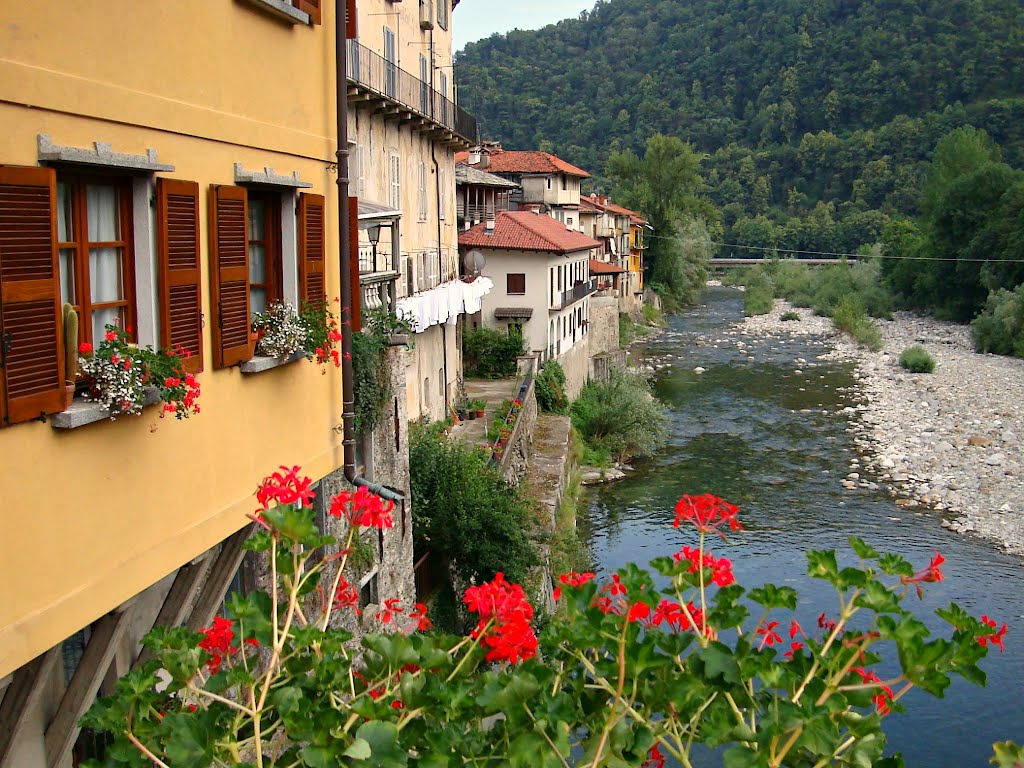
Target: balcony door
(390,64)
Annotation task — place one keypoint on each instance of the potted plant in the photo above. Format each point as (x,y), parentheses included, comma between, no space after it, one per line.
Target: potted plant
(477,406)
(279,331)
(120,373)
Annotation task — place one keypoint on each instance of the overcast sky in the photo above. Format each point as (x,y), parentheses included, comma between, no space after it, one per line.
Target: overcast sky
(475,19)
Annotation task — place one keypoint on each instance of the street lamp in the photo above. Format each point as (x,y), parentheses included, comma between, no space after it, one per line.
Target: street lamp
(373,232)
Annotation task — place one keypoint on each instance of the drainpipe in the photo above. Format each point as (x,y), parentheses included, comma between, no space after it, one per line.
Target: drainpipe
(347,379)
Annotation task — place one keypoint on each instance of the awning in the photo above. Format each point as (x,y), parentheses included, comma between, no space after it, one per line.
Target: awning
(518,313)
(604,268)
(371,213)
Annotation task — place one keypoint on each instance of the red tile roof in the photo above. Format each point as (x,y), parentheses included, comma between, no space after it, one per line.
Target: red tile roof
(527,231)
(515,161)
(604,268)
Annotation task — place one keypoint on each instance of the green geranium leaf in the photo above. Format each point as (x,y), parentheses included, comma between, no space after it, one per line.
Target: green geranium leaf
(863,550)
(385,751)
(1006,754)
(821,564)
(771,596)
(190,743)
(358,750)
(716,662)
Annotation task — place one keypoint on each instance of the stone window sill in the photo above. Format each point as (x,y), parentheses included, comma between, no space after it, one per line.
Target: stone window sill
(81,413)
(259,364)
(282,9)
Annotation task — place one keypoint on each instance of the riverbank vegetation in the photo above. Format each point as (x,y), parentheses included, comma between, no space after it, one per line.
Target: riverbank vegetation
(618,419)
(549,387)
(465,512)
(916,359)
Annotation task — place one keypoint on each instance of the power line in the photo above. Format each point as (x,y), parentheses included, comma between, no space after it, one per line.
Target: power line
(861,255)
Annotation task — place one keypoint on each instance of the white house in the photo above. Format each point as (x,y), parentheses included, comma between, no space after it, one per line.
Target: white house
(542,285)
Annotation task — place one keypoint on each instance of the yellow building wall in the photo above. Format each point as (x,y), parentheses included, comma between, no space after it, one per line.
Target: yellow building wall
(92,516)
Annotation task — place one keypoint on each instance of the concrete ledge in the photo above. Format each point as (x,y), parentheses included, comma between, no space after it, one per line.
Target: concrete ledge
(260,363)
(268,176)
(100,154)
(82,412)
(281,9)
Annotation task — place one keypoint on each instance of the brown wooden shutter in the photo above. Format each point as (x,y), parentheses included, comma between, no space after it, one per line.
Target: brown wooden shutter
(229,275)
(356,313)
(312,244)
(31,322)
(312,7)
(179,270)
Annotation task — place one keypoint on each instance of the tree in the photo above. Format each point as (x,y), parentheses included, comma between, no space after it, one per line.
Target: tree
(664,184)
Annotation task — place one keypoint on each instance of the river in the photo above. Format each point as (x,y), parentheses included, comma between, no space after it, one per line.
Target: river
(754,431)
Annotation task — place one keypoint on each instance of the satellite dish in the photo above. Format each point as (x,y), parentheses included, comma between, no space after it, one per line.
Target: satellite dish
(474,262)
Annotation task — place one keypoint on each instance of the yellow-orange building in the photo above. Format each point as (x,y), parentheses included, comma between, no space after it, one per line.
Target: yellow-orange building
(170,165)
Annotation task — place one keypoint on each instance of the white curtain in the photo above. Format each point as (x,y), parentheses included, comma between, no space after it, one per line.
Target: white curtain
(103,220)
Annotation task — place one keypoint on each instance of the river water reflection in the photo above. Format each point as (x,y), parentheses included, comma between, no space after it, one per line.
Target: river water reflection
(754,431)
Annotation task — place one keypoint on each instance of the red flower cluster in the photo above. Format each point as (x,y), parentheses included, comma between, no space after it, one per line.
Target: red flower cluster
(346,595)
(882,699)
(285,487)
(707,513)
(655,759)
(768,634)
(572,579)
(217,642)
(995,638)
(504,624)
(680,619)
(85,348)
(183,401)
(363,508)
(721,567)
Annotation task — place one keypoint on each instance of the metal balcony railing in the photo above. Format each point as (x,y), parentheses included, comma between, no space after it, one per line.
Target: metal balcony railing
(579,291)
(373,72)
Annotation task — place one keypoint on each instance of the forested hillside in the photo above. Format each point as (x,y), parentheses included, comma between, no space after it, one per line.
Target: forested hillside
(818,119)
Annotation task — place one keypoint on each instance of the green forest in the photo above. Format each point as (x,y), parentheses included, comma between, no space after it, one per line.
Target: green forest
(815,123)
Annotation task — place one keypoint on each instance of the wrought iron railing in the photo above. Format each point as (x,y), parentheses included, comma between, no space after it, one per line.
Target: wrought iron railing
(373,71)
(579,291)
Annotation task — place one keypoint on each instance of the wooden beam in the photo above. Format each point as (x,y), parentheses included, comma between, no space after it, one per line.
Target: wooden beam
(216,584)
(179,600)
(21,697)
(64,728)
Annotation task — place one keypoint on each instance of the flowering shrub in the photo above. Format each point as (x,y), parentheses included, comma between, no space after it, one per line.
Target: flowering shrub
(634,671)
(279,331)
(120,372)
(322,334)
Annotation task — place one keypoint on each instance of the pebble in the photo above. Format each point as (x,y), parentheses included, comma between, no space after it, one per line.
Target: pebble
(949,440)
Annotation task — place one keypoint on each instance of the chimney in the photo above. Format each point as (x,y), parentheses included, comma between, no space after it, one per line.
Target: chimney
(489,227)
(474,156)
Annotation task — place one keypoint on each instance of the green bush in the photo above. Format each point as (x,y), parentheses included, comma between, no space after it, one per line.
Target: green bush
(620,416)
(652,315)
(999,328)
(370,381)
(849,316)
(862,280)
(760,294)
(917,360)
(549,387)
(488,353)
(465,512)
(790,316)
(794,281)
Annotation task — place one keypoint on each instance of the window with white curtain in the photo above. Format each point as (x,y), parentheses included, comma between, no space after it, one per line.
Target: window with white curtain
(96,255)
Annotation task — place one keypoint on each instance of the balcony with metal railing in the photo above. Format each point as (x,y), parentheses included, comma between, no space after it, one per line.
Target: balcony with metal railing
(371,77)
(581,290)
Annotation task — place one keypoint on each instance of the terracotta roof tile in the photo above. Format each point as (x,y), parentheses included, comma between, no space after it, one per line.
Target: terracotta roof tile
(516,161)
(527,231)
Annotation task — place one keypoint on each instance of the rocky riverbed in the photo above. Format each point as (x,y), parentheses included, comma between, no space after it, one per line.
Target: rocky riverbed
(949,440)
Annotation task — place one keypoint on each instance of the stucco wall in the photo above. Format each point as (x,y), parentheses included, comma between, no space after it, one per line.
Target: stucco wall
(576,364)
(604,324)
